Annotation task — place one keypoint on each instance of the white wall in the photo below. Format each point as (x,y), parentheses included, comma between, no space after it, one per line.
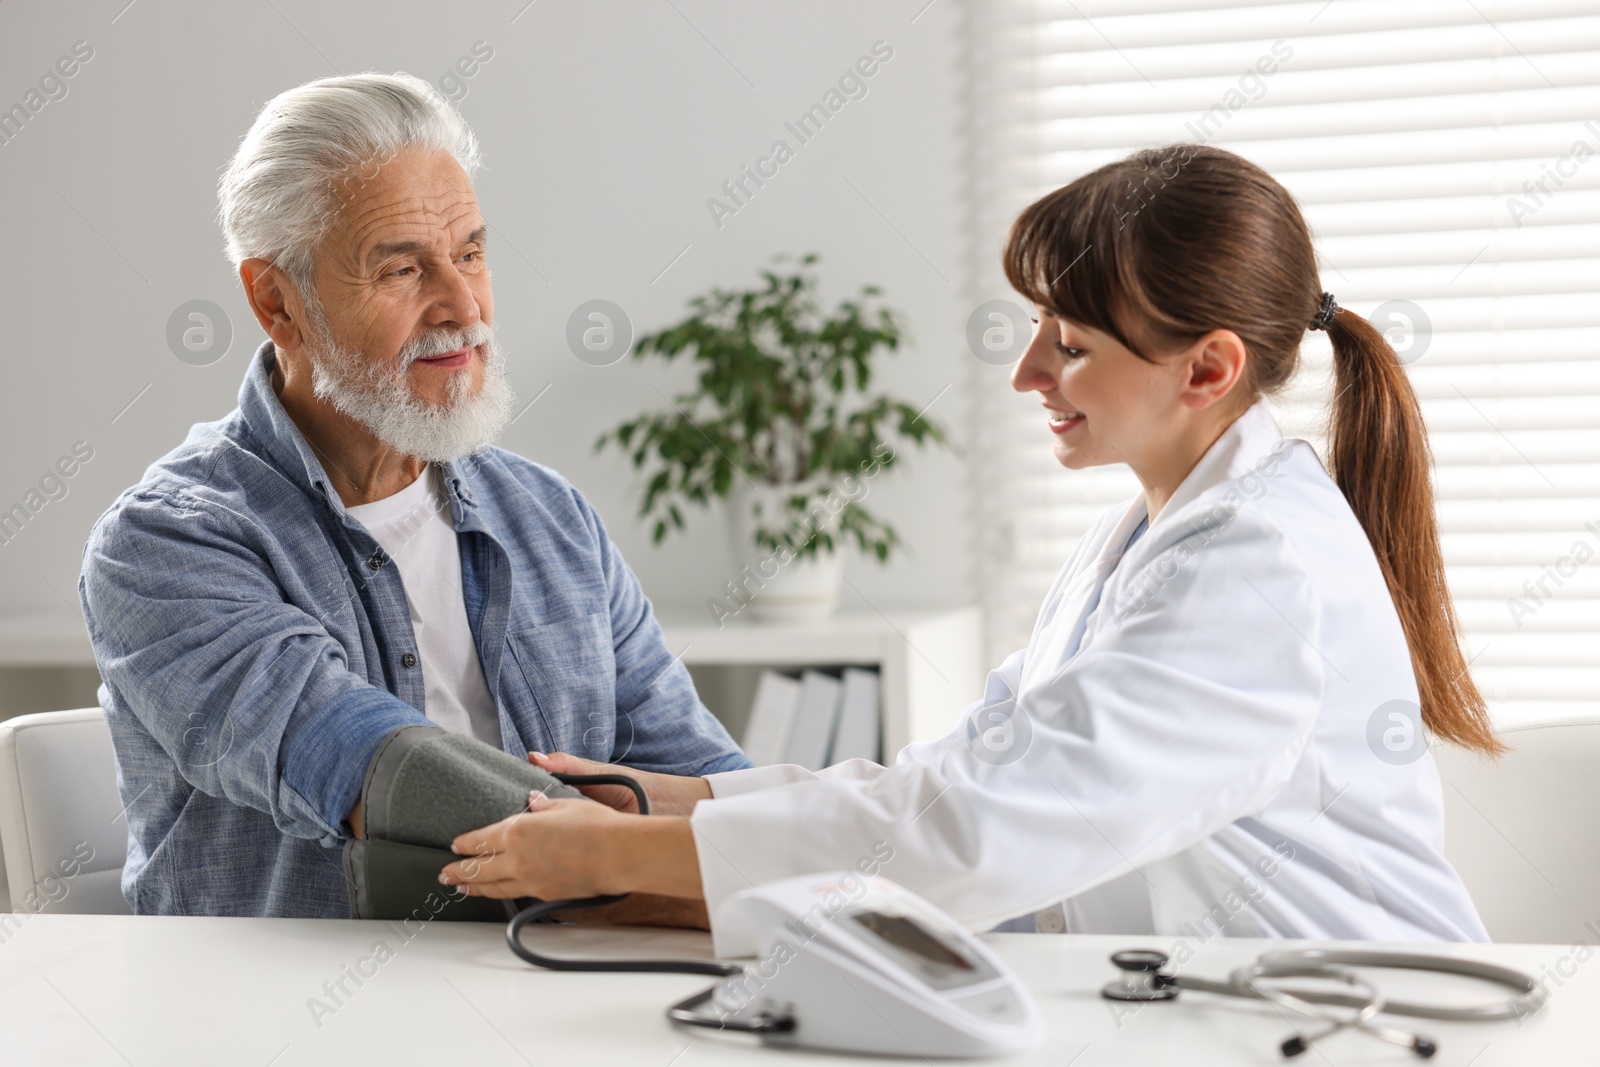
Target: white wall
(605,128)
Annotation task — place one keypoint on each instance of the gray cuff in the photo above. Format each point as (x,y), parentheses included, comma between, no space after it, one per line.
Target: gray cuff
(426,787)
(422,790)
(391,881)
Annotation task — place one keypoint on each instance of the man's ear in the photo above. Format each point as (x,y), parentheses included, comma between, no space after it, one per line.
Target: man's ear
(1213,366)
(276,308)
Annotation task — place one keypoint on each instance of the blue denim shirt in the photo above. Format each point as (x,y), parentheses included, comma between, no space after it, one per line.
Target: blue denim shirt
(254,641)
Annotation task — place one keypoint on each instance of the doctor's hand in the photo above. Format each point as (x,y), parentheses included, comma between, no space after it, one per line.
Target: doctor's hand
(669,794)
(565,848)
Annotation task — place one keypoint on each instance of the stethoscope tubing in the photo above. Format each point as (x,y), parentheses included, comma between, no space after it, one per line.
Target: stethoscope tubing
(1528,998)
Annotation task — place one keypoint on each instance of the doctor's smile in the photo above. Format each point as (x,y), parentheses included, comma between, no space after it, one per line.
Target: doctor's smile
(1062,419)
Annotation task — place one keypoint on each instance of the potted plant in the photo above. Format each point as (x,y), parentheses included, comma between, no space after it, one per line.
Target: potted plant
(781,424)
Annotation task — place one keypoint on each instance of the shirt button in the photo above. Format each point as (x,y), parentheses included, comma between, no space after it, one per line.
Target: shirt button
(409,659)
(376,560)
(1050,921)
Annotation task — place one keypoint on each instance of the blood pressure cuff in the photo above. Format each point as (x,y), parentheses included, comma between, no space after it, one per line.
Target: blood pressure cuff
(423,788)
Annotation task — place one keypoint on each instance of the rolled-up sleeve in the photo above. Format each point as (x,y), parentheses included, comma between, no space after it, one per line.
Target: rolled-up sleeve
(248,693)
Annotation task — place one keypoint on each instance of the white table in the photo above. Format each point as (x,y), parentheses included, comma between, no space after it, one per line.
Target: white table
(90,989)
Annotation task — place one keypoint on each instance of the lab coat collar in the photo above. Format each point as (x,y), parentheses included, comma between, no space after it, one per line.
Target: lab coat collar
(1240,447)
(1243,445)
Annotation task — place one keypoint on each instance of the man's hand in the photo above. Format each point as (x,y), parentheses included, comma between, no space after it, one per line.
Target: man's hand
(357,830)
(669,794)
(566,848)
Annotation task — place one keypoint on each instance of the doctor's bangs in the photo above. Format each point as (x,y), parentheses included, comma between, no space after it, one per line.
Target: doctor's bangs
(1063,255)
(1164,246)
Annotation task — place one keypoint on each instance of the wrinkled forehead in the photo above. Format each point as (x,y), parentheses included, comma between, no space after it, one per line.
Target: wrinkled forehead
(415,202)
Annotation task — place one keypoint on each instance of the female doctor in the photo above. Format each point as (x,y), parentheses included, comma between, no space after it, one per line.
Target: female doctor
(1220,723)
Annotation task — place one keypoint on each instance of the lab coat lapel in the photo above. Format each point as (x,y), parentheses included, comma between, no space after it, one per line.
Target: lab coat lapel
(1243,443)
(1080,592)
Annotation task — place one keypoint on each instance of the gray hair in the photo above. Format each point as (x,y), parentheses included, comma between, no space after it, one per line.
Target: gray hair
(281,191)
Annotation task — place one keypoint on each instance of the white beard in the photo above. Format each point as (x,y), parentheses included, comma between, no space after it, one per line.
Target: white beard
(378,395)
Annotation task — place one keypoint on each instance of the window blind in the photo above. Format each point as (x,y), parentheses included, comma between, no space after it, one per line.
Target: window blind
(1446,154)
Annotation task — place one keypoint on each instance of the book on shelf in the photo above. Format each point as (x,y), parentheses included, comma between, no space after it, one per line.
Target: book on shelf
(815,720)
(766,732)
(815,717)
(860,718)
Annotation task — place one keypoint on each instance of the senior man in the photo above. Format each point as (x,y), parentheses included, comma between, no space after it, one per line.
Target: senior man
(345,553)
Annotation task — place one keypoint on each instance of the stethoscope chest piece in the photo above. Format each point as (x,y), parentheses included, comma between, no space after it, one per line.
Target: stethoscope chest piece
(1141,979)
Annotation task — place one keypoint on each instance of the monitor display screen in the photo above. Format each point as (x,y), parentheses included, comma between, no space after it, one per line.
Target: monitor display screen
(921,951)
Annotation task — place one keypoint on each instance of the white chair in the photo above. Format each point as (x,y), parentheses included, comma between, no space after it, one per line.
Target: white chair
(63,833)
(1524,831)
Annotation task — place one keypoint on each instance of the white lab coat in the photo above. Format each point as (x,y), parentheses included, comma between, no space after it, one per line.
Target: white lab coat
(1201,766)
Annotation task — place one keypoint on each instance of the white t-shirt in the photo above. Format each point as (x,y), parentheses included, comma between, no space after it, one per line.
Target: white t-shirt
(415,529)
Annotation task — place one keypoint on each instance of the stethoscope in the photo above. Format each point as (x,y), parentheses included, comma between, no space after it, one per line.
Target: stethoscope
(1144,980)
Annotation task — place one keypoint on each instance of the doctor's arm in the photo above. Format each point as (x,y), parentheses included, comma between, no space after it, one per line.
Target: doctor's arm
(1185,710)
(1183,715)
(670,794)
(657,855)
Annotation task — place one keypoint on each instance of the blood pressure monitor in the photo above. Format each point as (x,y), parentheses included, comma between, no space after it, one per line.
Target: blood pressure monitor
(858,964)
(843,962)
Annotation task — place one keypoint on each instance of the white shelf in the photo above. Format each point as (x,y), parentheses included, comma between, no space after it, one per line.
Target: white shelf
(45,639)
(930,661)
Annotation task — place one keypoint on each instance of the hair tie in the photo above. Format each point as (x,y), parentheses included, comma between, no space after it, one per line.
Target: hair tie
(1324,316)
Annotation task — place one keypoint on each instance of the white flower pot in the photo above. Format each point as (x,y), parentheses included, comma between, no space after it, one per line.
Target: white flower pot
(800,590)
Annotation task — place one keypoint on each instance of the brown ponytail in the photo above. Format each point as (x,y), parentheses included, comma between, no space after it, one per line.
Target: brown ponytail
(1183,240)
(1379,456)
